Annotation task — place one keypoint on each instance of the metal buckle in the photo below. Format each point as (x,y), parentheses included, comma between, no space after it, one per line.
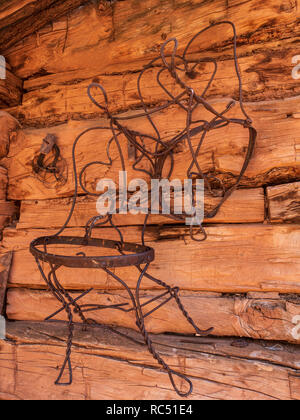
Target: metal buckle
(48,144)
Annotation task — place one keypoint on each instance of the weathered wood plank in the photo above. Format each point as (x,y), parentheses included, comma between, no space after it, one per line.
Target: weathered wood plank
(8,131)
(130,34)
(19,20)
(13,10)
(284,202)
(244,206)
(5,264)
(223,150)
(234,259)
(3,183)
(107,364)
(11,89)
(58,97)
(260,318)
(8,211)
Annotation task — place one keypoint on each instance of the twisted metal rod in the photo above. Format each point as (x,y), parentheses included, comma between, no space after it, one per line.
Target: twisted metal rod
(157,156)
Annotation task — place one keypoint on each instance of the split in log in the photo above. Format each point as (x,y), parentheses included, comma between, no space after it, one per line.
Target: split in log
(231,315)
(115,362)
(223,151)
(21,19)
(244,206)
(284,202)
(5,264)
(233,259)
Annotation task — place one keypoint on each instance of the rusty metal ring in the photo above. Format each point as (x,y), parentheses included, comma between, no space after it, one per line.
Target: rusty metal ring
(140,254)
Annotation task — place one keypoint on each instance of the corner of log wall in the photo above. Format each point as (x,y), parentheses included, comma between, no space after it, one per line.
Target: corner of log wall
(244,280)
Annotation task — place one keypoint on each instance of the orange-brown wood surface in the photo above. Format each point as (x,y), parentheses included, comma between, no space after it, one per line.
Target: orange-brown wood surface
(284,202)
(223,150)
(234,258)
(266,317)
(244,206)
(243,280)
(111,366)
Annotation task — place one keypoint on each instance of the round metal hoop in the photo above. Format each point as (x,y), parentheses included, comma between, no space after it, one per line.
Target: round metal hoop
(140,254)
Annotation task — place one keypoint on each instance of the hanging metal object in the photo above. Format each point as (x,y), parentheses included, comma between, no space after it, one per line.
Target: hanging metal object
(156,155)
(48,166)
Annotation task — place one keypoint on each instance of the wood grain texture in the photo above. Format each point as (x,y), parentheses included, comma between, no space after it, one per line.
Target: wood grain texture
(131,33)
(284,202)
(8,212)
(5,264)
(234,259)
(11,89)
(19,20)
(244,206)
(3,183)
(59,97)
(107,364)
(266,318)
(8,131)
(222,153)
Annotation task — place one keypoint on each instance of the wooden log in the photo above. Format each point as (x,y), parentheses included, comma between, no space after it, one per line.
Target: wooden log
(58,97)
(19,20)
(108,364)
(130,34)
(284,202)
(8,131)
(11,88)
(13,10)
(3,183)
(244,206)
(234,259)
(8,211)
(223,150)
(265,318)
(5,264)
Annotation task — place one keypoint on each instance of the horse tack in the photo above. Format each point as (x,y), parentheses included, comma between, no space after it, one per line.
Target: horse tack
(141,256)
(56,167)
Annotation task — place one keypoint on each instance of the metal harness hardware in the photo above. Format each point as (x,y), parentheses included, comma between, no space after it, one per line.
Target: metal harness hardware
(56,167)
(155,155)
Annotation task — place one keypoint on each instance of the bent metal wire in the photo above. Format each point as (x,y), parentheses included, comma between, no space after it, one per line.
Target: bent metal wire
(141,256)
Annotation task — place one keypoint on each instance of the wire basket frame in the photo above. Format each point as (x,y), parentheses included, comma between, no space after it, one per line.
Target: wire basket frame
(159,156)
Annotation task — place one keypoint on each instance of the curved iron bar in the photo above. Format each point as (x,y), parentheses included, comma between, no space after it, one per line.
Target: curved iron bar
(156,156)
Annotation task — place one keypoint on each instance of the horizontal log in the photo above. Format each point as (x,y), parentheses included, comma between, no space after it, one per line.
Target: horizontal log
(59,97)
(259,318)
(284,202)
(244,206)
(5,264)
(110,366)
(233,259)
(130,34)
(21,19)
(274,161)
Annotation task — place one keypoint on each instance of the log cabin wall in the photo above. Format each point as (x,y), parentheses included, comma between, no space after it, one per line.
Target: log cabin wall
(243,280)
